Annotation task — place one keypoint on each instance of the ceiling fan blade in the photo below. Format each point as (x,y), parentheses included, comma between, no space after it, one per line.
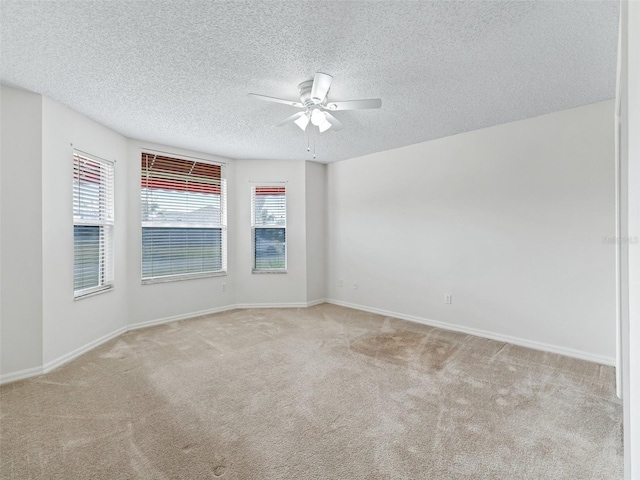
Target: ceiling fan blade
(335,123)
(355,104)
(275,100)
(321,85)
(290,118)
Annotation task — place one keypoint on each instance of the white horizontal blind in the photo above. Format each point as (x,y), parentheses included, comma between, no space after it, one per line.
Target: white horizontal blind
(183,217)
(92,224)
(269,227)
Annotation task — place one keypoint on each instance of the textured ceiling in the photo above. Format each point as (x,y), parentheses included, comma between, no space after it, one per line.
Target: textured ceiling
(177,72)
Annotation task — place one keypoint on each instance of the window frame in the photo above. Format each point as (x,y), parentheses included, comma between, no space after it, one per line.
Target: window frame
(284,269)
(223,222)
(105,222)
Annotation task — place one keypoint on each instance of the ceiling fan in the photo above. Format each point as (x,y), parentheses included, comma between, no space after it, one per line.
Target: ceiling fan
(316,106)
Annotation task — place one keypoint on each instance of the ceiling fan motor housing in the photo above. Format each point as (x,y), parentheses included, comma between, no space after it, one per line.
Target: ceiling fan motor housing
(305,94)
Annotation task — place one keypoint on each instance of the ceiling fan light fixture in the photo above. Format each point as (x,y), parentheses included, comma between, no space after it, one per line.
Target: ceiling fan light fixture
(315,106)
(302,122)
(324,127)
(318,117)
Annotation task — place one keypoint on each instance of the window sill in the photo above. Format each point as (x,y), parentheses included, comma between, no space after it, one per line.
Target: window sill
(261,271)
(93,292)
(179,278)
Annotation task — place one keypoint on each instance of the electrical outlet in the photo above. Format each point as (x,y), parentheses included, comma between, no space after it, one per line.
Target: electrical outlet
(447,298)
(224,287)
(340,283)
(355,285)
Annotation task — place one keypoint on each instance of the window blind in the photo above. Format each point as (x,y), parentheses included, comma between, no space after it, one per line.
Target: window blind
(183,217)
(92,224)
(269,227)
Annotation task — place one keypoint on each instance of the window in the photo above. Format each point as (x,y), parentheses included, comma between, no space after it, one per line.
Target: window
(92,225)
(183,218)
(269,228)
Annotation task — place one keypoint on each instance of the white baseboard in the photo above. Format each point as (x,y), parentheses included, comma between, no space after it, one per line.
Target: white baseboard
(67,357)
(545,347)
(20,375)
(280,305)
(47,367)
(183,316)
(316,302)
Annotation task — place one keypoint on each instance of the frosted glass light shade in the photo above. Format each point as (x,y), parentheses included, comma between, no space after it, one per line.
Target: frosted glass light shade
(324,126)
(318,117)
(302,122)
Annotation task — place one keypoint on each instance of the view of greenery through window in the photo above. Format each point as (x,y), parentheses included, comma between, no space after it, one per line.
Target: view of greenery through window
(86,256)
(270,247)
(177,251)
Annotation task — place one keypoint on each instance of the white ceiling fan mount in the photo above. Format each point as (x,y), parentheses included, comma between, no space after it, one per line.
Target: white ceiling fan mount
(316,105)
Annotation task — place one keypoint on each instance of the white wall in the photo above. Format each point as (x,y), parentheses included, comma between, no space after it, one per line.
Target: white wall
(42,325)
(70,324)
(152,302)
(316,217)
(268,288)
(508,219)
(21,230)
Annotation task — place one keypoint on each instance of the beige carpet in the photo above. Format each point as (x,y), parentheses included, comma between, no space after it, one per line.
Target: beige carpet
(318,393)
